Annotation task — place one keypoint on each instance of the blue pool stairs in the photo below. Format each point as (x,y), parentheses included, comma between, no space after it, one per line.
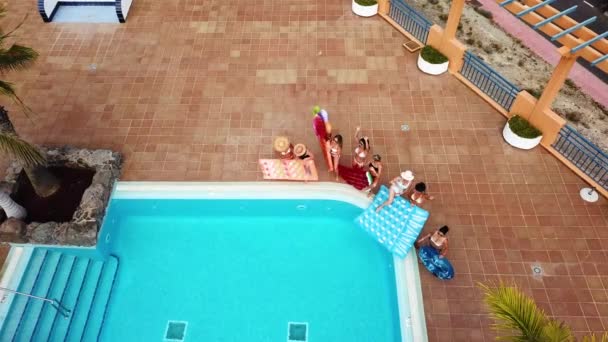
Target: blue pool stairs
(396,226)
(81,284)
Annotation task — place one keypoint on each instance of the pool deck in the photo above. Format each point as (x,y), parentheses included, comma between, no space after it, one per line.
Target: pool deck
(196,90)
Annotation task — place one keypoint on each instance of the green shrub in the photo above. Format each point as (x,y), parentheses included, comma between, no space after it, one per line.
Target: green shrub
(522,128)
(366,2)
(483,12)
(431,55)
(535,92)
(573,116)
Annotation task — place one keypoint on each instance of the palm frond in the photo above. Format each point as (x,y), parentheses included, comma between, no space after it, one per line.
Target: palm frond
(20,149)
(517,318)
(594,338)
(16,57)
(6,89)
(555,331)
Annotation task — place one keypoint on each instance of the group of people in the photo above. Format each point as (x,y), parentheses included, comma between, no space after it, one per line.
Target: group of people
(331,147)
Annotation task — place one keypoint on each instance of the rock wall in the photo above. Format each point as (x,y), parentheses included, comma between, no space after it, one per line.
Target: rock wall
(88,217)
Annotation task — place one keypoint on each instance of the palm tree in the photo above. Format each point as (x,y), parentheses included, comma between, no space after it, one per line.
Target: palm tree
(518,318)
(18,57)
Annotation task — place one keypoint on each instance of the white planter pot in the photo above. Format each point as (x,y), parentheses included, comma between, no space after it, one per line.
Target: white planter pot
(517,141)
(365,11)
(432,69)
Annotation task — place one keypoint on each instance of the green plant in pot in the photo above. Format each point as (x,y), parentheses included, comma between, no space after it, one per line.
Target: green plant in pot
(431,61)
(520,133)
(365,8)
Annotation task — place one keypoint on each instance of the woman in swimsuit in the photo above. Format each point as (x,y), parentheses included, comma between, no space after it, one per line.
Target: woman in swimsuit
(399,186)
(437,240)
(306,156)
(335,151)
(419,195)
(373,173)
(361,151)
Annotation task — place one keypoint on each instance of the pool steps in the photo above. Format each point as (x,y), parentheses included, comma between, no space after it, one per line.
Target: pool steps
(81,284)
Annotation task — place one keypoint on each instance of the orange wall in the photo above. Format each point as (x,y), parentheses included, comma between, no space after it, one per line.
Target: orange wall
(453,49)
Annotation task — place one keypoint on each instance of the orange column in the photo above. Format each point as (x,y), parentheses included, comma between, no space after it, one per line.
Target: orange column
(384,6)
(453,19)
(559,76)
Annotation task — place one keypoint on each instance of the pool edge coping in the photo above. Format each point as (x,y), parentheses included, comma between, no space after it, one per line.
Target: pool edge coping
(416,323)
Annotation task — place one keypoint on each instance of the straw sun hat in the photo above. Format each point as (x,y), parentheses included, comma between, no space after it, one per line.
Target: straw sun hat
(299,150)
(281,144)
(407,175)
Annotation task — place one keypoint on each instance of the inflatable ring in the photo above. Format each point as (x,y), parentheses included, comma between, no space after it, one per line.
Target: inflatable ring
(440,267)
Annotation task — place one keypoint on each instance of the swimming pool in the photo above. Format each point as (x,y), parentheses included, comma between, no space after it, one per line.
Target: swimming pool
(241,262)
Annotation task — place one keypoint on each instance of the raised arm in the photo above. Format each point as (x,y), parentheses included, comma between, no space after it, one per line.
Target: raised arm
(358,133)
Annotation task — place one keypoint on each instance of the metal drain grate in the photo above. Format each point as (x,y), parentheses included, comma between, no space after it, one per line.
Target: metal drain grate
(537,270)
(176,331)
(297,332)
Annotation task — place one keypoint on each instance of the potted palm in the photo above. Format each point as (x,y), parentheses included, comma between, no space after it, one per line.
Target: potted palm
(431,61)
(365,8)
(518,318)
(520,133)
(17,57)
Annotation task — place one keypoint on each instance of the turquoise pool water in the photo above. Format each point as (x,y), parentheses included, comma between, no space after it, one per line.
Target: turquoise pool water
(240,270)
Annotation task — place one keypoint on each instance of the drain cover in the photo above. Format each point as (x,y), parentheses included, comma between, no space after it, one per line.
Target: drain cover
(537,270)
(297,332)
(176,331)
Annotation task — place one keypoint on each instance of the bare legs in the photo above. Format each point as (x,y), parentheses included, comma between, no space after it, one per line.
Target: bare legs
(371,187)
(391,198)
(335,160)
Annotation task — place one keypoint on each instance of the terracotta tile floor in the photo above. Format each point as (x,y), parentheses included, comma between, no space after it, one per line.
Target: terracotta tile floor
(196,90)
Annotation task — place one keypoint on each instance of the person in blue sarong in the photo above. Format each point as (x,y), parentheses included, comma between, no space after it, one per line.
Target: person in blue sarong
(437,240)
(433,248)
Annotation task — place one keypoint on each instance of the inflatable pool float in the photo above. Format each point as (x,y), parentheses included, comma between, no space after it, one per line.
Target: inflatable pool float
(397,226)
(440,267)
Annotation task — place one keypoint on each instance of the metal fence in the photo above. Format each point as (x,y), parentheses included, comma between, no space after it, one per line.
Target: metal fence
(411,21)
(584,154)
(489,80)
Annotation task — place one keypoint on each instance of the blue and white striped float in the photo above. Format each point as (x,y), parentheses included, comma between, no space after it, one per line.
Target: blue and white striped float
(396,226)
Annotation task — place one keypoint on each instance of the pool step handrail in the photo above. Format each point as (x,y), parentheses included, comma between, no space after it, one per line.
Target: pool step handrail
(65,312)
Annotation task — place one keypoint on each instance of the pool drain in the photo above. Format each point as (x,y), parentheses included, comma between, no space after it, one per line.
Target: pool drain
(297,332)
(176,331)
(537,270)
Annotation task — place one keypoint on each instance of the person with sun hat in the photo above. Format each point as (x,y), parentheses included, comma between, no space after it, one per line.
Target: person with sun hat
(284,148)
(306,156)
(399,186)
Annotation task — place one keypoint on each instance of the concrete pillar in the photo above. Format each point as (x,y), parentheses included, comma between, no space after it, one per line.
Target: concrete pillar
(384,6)
(453,19)
(452,48)
(559,76)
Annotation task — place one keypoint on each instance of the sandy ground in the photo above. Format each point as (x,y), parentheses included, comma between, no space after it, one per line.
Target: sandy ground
(521,66)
